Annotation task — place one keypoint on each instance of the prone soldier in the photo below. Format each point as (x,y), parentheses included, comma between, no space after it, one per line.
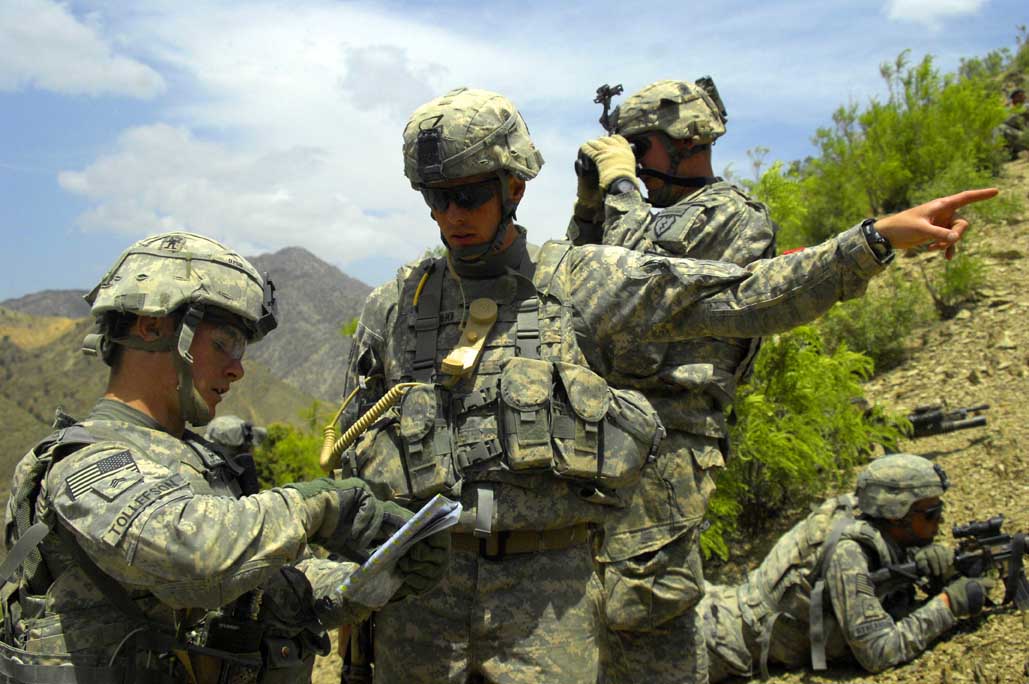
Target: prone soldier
(132,556)
(651,568)
(491,349)
(814,599)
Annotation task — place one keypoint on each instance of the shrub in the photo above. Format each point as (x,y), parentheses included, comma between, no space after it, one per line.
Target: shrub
(957,282)
(932,135)
(800,427)
(879,323)
(287,455)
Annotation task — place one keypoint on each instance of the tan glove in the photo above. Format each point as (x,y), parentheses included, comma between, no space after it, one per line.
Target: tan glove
(613,157)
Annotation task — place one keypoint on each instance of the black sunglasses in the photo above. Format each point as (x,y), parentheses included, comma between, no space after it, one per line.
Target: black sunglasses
(931,514)
(471,196)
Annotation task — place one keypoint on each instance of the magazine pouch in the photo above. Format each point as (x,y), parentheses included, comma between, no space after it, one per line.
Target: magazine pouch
(426,441)
(525,391)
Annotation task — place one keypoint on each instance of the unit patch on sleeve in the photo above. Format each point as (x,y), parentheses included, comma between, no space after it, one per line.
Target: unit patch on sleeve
(84,478)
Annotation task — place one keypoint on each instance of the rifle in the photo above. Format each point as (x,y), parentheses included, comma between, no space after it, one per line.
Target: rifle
(981,546)
(936,420)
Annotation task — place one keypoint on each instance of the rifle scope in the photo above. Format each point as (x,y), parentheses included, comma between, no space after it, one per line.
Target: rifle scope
(979,528)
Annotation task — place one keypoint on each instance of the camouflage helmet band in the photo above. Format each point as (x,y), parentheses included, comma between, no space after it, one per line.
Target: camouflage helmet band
(680,109)
(162,273)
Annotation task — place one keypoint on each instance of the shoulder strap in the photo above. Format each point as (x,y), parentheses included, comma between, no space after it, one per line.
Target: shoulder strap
(426,325)
(26,554)
(819,604)
(26,544)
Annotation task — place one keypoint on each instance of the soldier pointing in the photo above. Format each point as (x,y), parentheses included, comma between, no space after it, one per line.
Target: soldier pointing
(504,350)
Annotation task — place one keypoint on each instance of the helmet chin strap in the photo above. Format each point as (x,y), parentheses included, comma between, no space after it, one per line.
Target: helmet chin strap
(192,406)
(670,193)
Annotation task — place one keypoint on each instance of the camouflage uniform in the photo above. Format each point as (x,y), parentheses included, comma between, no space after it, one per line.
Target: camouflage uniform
(1015,132)
(519,604)
(834,550)
(147,548)
(652,572)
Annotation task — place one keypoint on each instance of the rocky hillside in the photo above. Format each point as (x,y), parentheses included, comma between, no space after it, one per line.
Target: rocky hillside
(316,300)
(979,357)
(63,303)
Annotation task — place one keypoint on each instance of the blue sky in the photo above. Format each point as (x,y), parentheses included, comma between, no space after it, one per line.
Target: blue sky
(267,124)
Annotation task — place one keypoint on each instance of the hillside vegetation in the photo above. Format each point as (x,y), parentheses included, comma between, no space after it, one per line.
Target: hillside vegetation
(802,424)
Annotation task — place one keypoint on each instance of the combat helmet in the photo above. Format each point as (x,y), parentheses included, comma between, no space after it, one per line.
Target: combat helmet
(891,484)
(469,132)
(681,109)
(184,274)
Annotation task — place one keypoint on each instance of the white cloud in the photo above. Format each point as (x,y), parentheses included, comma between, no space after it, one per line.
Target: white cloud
(46,47)
(162,177)
(930,12)
(284,126)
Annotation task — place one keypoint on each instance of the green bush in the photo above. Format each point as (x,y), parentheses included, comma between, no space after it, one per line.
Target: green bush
(956,282)
(287,455)
(879,323)
(932,135)
(800,427)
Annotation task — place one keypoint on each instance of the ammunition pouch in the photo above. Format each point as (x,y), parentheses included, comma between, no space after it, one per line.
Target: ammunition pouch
(540,416)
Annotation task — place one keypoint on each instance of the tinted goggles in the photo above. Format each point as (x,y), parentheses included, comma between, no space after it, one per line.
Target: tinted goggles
(931,514)
(229,340)
(470,196)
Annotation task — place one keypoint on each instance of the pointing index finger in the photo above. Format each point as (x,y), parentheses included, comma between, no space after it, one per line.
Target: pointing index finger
(968,197)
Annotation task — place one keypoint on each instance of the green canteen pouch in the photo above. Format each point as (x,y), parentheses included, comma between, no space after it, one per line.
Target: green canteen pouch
(426,442)
(525,391)
(632,431)
(581,400)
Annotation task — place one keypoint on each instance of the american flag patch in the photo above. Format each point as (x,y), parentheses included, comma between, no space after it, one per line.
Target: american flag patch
(80,481)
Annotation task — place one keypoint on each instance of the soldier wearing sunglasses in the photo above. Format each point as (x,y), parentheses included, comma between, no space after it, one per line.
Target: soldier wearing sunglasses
(499,352)
(812,598)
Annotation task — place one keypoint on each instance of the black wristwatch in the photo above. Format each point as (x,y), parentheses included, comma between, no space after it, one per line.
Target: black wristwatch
(880,246)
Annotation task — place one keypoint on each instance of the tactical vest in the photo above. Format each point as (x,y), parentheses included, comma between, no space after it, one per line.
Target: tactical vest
(41,552)
(530,411)
(791,579)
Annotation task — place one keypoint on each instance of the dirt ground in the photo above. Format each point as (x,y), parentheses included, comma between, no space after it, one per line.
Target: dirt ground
(979,357)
